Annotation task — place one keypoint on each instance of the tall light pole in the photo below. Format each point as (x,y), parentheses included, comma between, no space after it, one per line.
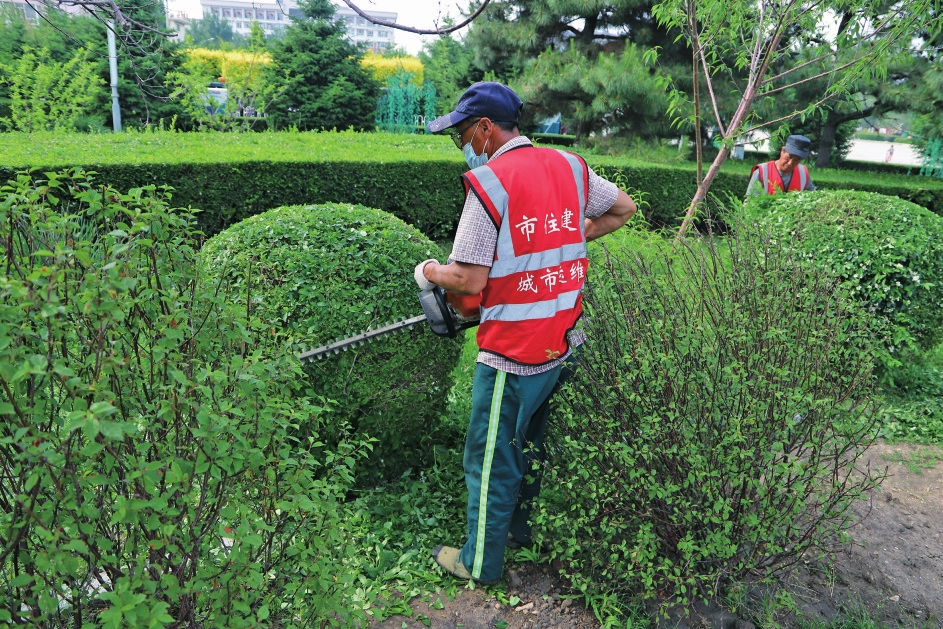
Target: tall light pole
(113,65)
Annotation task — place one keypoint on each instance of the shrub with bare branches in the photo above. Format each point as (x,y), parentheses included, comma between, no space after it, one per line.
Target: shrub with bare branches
(715,428)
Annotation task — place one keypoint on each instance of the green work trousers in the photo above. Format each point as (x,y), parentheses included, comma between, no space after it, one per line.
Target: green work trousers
(505,437)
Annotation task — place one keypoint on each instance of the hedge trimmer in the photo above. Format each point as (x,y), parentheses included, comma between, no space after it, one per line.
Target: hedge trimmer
(445,312)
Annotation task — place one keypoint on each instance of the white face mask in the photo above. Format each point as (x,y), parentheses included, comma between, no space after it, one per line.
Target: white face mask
(473,160)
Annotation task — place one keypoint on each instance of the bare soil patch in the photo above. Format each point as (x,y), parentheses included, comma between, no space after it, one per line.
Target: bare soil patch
(894,563)
(892,568)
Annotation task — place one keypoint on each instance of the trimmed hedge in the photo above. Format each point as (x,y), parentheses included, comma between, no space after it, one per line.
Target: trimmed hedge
(669,188)
(427,195)
(231,176)
(879,167)
(883,137)
(324,272)
(415,177)
(887,251)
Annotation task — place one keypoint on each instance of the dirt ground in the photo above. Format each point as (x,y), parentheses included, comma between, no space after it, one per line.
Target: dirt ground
(893,568)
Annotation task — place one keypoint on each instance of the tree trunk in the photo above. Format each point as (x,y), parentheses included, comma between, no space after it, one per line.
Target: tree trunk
(830,129)
(588,34)
(697,97)
(827,140)
(701,195)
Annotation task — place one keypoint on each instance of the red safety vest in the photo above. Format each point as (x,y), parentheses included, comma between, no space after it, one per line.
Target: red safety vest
(537,200)
(773,182)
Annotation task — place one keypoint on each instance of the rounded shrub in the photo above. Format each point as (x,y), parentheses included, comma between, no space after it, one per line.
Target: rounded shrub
(889,253)
(328,271)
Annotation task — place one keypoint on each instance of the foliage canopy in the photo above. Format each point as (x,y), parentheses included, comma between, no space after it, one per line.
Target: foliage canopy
(888,252)
(155,469)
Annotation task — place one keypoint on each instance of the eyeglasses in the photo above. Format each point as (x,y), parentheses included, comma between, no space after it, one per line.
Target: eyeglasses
(457,135)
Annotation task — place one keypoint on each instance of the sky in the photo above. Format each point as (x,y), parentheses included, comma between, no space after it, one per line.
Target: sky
(421,14)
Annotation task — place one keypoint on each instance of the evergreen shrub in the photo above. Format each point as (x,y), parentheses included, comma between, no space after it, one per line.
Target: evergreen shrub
(888,252)
(713,429)
(155,469)
(329,271)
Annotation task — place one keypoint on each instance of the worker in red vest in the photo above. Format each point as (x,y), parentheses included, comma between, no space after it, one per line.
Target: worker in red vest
(786,173)
(521,244)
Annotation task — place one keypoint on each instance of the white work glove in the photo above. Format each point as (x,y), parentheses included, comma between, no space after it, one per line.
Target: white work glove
(424,284)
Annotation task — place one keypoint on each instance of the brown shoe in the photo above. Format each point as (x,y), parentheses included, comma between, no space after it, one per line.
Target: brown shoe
(447,558)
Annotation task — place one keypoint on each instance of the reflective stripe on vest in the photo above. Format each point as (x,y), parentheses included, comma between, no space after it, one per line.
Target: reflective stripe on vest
(533,295)
(803,176)
(537,310)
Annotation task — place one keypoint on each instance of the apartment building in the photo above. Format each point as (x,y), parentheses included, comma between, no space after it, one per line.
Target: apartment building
(271,16)
(24,8)
(360,31)
(274,15)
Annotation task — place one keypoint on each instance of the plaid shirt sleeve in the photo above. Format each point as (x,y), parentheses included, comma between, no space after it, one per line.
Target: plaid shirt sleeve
(601,195)
(477,238)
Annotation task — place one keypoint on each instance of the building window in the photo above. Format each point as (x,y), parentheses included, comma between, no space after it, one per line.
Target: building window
(369,33)
(227,13)
(278,16)
(360,32)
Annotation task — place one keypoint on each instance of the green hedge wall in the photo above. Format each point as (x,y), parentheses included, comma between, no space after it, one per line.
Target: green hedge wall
(415,177)
(427,195)
(879,167)
(669,188)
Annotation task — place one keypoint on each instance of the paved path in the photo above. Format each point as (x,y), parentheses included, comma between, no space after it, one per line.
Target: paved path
(869,151)
(876,151)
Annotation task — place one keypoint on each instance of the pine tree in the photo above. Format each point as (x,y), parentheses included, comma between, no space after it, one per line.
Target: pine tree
(320,81)
(582,59)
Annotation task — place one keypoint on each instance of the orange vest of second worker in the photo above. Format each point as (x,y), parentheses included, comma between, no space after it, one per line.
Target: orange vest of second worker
(536,198)
(773,182)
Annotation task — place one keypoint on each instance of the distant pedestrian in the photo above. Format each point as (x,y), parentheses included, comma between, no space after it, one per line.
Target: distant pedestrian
(890,153)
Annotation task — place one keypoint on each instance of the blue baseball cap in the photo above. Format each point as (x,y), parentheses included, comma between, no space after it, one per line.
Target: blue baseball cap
(798,145)
(482,100)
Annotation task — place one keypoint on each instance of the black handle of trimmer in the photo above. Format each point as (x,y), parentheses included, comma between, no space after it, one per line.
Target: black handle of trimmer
(441,317)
